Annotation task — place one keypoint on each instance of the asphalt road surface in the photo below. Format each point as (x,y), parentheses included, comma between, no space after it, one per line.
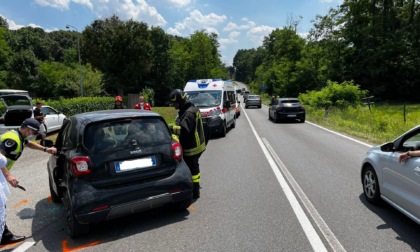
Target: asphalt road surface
(265,187)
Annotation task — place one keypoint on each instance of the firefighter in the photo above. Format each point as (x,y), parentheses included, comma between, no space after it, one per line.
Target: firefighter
(189,128)
(118,102)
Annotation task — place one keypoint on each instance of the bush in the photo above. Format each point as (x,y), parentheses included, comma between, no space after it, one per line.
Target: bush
(335,94)
(79,105)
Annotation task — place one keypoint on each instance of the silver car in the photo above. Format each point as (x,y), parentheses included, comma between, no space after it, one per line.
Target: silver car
(384,178)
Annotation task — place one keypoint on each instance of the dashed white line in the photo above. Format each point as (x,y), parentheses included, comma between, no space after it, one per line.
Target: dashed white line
(306,225)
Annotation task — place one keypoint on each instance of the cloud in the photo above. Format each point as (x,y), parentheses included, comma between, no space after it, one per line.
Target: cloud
(231,39)
(197,21)
(233,26)
(138,10)
(180,3)
(257,34)
(13,25)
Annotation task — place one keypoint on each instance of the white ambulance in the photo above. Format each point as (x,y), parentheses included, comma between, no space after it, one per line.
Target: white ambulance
(216,100)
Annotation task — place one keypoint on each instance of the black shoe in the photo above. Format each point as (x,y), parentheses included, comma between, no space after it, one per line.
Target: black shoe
(12,239)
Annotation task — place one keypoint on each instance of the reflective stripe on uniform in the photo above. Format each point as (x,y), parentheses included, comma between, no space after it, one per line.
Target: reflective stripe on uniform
(14,155)
(200,147)
(176,130)
(196,178)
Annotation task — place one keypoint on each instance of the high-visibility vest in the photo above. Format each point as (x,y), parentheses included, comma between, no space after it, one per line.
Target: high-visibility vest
(15,154)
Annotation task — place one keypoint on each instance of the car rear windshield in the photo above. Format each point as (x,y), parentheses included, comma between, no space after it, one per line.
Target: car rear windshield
(250,97)
(290,101)
(126,134)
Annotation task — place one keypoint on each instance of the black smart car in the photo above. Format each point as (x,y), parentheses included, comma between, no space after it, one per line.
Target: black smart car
(115,163)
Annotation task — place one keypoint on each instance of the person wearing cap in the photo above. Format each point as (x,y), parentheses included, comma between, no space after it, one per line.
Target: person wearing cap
(11,147)
(142,104)
(189,128)
(118,102)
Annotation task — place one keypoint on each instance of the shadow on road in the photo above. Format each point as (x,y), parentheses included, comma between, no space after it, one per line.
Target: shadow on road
(407,230)
(49,226)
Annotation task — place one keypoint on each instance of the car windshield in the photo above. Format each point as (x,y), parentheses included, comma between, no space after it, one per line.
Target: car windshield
(111,136)
(250,97)
(205,99)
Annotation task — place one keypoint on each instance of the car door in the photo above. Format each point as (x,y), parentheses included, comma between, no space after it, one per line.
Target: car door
(401,181)
(51,120)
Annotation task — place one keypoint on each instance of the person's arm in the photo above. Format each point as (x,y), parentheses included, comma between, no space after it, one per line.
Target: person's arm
(406,155)
(7,175)
(36,146)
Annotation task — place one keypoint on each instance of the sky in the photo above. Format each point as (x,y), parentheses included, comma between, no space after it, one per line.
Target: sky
(238,24)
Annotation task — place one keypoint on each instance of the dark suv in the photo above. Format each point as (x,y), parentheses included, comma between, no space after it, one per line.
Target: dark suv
(286,108)
(114,163)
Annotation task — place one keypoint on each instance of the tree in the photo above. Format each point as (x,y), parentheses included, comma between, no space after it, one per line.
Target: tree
(121,50)
(23,71)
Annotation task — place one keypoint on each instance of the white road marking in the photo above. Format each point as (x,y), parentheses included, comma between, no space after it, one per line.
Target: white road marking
(25,246)
(306,225)
(323,227)
(338,134)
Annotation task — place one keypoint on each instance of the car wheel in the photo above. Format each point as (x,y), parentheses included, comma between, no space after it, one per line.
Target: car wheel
(371,185)
(224,129)
(182,205)
(233,125)
(259,106)
(302,120)
(269,116)
(74,228)
(276,119)
(54,196)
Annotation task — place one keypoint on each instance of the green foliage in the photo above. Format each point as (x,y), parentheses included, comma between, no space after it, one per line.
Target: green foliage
(78,105)
(149,95)
(334,94)
(382,123)
(122,50)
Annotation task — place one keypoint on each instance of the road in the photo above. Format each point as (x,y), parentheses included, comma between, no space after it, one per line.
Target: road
(265,187)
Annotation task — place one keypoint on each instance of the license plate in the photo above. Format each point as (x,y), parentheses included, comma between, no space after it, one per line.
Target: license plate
(141,163)
(291,115)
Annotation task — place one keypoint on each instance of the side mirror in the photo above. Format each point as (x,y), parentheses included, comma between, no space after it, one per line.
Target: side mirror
(47,143)
(388,147)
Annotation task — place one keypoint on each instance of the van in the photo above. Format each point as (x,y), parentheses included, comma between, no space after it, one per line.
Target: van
(216,100)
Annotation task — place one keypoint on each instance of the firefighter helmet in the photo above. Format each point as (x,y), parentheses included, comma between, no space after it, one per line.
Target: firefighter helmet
(178,96)
(118,98)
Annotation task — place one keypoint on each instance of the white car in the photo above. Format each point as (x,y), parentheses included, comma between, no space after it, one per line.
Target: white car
(385,179)
(53,119)
(15,108)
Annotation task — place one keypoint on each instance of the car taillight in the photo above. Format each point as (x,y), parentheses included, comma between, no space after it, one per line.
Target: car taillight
(176,150)
(80,165)
(260,99)
(2,120)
